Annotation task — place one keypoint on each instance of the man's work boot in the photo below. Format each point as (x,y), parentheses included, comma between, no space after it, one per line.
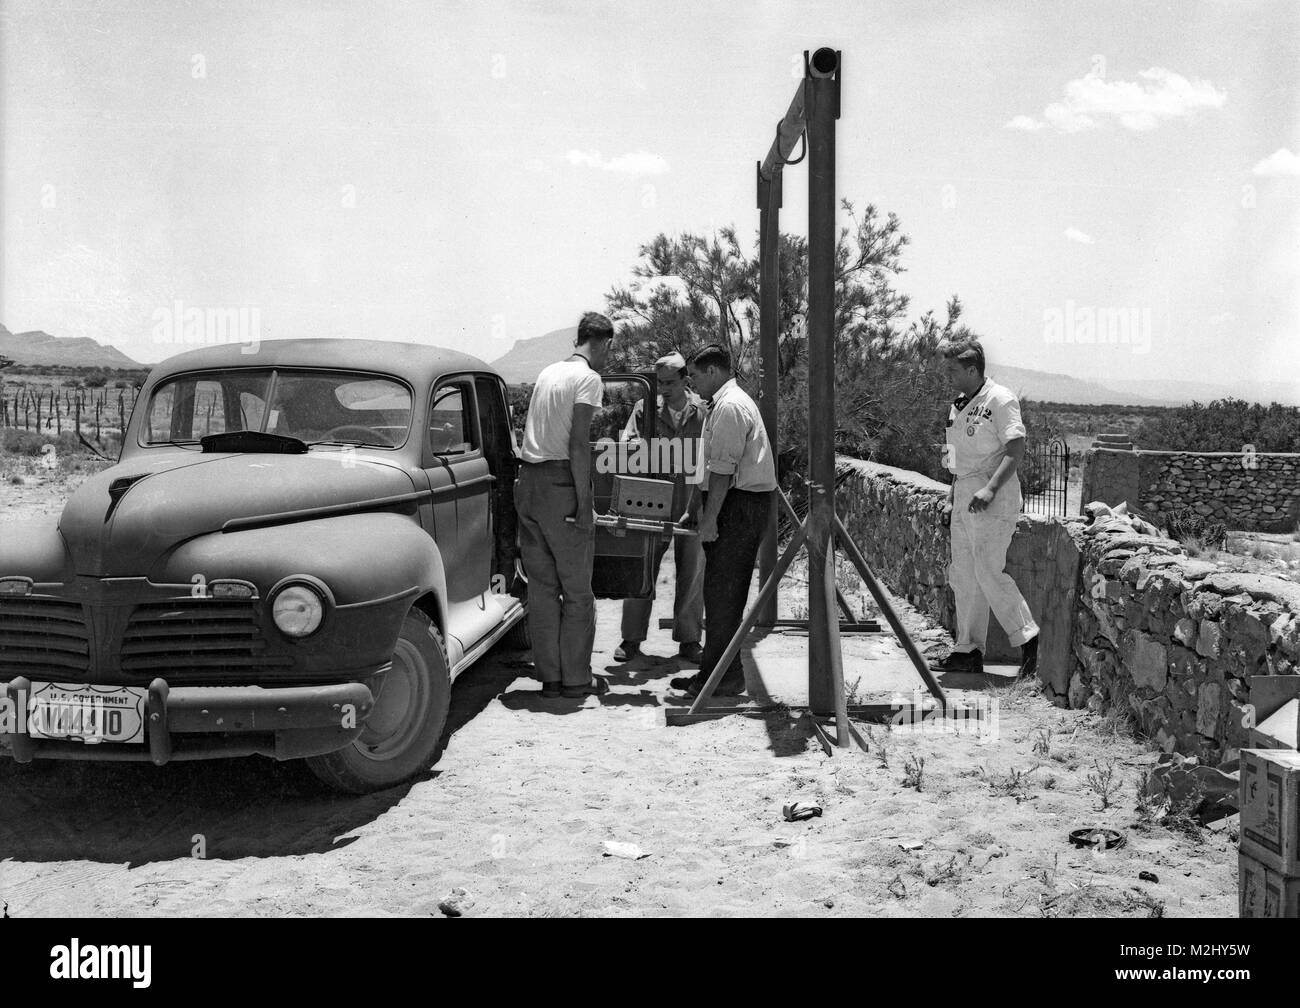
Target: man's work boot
(689,683)
(959,661)
(1029,658)
(628,650)
(691,652)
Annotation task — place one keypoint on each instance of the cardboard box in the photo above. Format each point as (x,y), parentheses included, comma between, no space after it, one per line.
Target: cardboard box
(1270,808)
(1276,703)
(1280,730)
(1262,892)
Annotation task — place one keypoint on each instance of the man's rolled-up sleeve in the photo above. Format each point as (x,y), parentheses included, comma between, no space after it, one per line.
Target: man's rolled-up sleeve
(1006,419)
(591,391)
(727,429)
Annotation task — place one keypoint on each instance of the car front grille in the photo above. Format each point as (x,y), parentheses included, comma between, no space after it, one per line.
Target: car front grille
(196,640)
(42,637)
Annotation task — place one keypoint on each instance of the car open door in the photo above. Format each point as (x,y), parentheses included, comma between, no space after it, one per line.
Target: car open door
(624,563)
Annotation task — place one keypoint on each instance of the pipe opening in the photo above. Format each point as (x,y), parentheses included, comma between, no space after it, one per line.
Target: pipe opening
(824,62)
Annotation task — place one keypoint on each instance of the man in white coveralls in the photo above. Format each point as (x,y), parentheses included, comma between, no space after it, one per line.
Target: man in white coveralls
(985,442)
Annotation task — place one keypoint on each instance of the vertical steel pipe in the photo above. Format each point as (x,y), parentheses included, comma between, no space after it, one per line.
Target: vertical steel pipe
(821,109)
(769,327)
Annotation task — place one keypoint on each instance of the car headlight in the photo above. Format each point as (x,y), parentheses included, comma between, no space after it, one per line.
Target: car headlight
(297,610)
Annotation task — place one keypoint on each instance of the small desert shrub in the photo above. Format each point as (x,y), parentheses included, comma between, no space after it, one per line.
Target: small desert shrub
(22,442)
(879,744)
(1193,531)
(913,771)
(1103,783)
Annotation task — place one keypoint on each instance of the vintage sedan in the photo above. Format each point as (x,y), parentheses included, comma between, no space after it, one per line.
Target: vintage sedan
(298,551)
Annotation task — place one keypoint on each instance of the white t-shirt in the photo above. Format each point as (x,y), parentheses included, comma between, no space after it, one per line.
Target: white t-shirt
(550,412)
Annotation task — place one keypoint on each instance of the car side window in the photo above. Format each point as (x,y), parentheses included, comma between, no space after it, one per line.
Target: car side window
(452,430)
(188,410)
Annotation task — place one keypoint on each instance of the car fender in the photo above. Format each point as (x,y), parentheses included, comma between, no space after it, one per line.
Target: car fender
(33,548)
(361,558)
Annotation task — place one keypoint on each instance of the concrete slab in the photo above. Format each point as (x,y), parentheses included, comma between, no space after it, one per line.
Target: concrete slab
(776,663)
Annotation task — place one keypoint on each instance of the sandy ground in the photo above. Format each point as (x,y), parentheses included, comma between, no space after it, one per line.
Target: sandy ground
(528,791)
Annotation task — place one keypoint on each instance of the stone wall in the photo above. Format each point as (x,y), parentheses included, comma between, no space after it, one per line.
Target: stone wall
(896,518)
(1176,640)
(1246,491)
(1128,620)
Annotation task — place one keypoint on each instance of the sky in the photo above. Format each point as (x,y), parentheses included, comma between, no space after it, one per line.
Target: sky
(471,174)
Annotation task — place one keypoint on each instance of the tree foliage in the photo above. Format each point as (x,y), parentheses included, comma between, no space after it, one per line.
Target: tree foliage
(890,395)
(1224,425)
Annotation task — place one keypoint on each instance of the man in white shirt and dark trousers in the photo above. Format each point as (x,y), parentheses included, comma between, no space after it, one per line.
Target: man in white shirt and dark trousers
(740,476)
(555,484)
(985,442)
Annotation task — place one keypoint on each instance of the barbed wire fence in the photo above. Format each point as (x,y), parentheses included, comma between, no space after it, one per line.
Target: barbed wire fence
(94,413)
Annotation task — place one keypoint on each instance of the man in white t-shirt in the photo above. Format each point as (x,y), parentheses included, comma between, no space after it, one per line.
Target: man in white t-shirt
(555,484)
(984,444)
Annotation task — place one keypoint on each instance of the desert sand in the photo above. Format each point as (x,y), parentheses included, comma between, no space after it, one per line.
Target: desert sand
(528,791)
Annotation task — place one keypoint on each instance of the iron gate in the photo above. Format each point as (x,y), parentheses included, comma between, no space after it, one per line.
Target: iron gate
(1045,478)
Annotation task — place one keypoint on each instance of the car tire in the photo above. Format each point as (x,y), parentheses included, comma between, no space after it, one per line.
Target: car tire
(518,637)
(402,732)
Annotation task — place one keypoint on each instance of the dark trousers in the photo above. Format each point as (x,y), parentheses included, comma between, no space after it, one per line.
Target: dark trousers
(558,560)
(688,596)
(728,569)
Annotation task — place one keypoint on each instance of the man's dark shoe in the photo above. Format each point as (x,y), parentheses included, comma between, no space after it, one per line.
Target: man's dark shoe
(1029,658)
(691,652)
(551,690)
(628,650)
(598,686)
(694,685)
(960,661)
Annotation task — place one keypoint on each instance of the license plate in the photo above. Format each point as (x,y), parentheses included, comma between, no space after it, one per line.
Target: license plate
(90,714)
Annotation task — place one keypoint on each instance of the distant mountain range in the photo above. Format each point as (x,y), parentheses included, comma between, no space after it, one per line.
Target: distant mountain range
(524,361)
(42,349)
(527,357)
(1286,393)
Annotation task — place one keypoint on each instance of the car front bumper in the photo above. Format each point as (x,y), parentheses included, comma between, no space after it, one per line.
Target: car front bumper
(207,722)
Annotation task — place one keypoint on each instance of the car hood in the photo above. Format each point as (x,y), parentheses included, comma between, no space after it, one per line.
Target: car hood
(121,521)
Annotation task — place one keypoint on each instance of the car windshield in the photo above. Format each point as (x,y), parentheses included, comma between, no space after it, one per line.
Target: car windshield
(318,407)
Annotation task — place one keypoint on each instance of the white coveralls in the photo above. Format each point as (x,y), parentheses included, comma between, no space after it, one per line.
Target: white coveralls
(977,436)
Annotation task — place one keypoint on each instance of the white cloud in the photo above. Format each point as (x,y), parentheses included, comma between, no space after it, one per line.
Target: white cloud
(1159,95)
(1075,235)
(637,163)
(1281,163)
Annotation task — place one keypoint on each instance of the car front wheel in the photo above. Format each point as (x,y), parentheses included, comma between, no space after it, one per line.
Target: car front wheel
(401,734)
